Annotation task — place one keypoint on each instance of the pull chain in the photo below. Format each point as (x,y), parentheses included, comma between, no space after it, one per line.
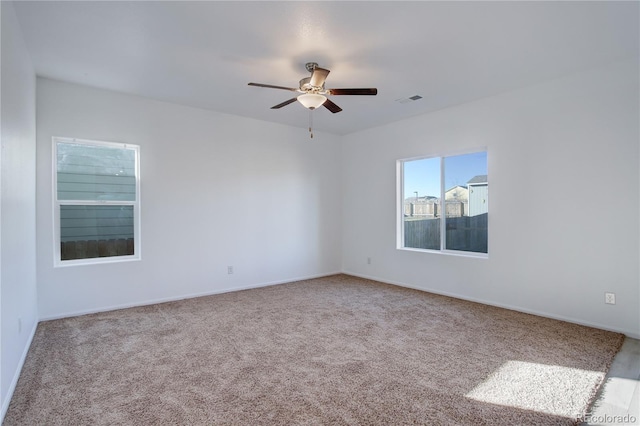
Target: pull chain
(311,123)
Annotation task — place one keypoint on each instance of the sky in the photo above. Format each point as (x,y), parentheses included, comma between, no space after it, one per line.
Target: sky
(423,175)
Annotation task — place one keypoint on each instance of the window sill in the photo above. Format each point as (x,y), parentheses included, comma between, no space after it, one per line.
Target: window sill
(468,254)
(95,261)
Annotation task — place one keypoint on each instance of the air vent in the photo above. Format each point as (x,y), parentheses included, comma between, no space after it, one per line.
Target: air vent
(409,99)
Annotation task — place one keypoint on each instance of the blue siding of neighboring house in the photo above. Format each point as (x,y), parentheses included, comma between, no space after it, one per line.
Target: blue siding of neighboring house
(86,223)
(95,222)
(85,186)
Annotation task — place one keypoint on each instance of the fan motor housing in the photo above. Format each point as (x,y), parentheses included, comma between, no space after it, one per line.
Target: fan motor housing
(305,85)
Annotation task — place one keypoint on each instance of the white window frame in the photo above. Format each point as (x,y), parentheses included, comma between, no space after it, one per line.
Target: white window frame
(57,255)
(400,239)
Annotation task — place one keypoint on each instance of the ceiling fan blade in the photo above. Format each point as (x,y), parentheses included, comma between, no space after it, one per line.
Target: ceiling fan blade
(318,76)
(331,106)
(370,91)
(271,86)
(285,103)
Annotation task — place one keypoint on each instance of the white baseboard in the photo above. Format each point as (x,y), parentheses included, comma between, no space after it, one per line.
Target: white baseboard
(16,375)
(630,333)
(182,297)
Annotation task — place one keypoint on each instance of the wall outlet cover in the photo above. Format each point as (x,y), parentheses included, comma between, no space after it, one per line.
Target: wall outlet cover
(610,298)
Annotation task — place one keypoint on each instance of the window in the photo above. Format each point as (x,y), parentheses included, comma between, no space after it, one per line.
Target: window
(96,202)
(444,204)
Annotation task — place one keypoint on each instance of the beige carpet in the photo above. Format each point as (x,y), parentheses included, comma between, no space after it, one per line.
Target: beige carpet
(335,350)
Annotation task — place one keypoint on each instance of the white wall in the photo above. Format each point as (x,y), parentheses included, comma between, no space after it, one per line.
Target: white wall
(564,212)
(17,205)
(216,190)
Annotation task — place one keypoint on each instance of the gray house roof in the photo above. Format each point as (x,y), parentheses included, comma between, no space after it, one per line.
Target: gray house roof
(478,179)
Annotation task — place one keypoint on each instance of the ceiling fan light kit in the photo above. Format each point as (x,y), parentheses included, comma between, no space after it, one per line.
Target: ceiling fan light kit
(312,100)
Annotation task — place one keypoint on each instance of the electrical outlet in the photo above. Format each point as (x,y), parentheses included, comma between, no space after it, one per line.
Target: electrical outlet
(368,261)
(610,298)
(229,269)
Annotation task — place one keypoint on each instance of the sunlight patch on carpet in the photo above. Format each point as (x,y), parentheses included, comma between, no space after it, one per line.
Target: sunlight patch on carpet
(551,389)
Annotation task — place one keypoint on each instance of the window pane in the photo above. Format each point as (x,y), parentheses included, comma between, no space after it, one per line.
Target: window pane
(96,231)
(88,172)
(466,202)
(422,203)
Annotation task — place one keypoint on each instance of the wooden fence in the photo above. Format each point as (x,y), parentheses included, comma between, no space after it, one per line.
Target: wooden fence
(432,208)
(463,233)
(422,233)
(96,248)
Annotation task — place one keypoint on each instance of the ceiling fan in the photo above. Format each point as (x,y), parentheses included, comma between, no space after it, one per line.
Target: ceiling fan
(313,93)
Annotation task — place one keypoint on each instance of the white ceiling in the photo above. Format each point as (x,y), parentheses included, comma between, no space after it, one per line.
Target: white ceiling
(203,54)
